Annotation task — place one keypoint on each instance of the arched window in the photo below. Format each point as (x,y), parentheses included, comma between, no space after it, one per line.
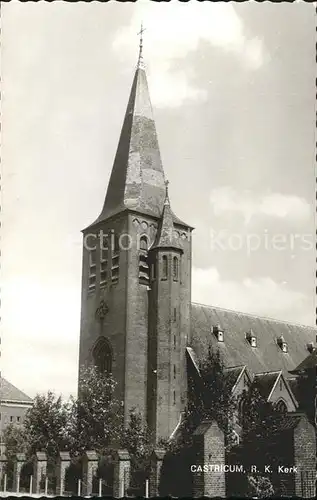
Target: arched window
(102,356)
(164,267)
(175,268)
(281,406)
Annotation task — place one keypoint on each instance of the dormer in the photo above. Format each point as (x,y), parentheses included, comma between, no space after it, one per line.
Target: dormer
(251,338)
(218,332)
(310,347)
(282,344)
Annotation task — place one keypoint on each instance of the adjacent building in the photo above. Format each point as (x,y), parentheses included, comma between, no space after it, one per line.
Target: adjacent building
(13,407)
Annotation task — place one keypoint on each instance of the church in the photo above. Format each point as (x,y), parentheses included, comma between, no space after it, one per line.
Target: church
(137,317)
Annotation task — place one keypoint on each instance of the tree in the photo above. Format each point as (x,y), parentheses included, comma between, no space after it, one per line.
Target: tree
(260,487)
(137,439)
(262,425)
(211,398)
(219,403)
(97,415)
(45,424)
(15,440)
(260,418)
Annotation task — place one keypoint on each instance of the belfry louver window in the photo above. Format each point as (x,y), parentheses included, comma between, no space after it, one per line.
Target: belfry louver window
(103,266)
(115,249)
(143,261)
(92,270)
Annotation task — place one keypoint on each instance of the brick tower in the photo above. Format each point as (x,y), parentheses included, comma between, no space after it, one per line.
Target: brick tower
(135,315)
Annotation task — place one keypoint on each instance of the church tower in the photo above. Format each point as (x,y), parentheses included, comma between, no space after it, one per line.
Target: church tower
(135,315)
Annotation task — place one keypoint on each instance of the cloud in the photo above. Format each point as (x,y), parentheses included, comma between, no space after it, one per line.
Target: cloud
(227,200)
(174,30)
(262,296)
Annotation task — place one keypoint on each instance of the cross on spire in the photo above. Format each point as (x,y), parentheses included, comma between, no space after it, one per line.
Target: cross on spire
(140,61)
(166,193)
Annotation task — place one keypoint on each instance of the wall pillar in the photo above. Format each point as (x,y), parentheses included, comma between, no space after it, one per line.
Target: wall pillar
(155,471)
(40,466)
(90,466)
(121,477)
(63,462)
(305,459)
(209,448)
(18,464)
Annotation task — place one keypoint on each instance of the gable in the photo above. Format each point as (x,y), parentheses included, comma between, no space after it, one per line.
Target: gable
(238,379)
(282,392)
(265,382)
(10,393)
(237,351)
(243,382)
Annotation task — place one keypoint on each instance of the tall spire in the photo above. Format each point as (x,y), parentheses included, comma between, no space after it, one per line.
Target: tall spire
(165,235)
(137,179)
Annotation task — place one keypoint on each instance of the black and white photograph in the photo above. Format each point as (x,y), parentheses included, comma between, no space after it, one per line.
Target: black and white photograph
(158,249)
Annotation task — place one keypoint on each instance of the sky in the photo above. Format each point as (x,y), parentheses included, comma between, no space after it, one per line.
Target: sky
(233,92)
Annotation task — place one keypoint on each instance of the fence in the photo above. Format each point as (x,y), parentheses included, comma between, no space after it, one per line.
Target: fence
(81,487)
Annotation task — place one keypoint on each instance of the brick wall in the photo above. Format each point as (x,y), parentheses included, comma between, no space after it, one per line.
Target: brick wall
(214,453)
(305,458)
(209,450)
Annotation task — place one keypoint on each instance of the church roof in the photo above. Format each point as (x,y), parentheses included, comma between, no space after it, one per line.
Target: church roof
(310,362)
(233,375)
(266,381)
(236,350)
(10,393)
